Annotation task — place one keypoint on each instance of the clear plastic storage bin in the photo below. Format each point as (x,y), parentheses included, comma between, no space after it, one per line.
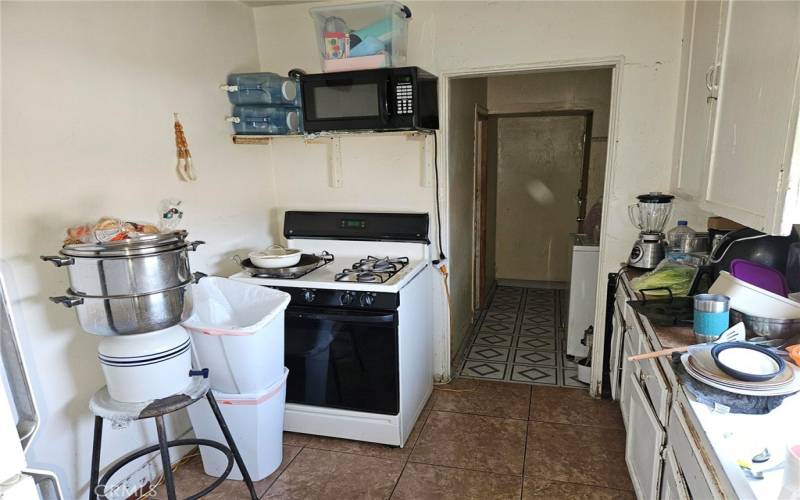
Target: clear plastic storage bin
(262,88)
(266,120)
(362,36)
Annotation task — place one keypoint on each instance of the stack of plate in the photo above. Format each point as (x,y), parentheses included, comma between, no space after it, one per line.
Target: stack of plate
(700,365)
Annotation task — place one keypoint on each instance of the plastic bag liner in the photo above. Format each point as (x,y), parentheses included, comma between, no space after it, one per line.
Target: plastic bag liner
(226,307)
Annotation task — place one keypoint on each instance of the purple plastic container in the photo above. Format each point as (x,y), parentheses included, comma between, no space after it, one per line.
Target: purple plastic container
(760,275)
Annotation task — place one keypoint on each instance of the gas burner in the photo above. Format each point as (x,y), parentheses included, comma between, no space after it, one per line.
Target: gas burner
(362,276)
(381,265)
(373,270)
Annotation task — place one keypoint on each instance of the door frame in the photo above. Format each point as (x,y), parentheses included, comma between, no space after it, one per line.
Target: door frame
(480,184)
(442,347)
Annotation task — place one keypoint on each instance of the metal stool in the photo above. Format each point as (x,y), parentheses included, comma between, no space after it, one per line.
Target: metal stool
(103,407)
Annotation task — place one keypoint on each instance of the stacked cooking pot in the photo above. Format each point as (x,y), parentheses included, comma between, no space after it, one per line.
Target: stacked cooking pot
(135,287)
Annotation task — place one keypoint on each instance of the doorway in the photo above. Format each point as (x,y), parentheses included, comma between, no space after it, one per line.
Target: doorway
(539,158)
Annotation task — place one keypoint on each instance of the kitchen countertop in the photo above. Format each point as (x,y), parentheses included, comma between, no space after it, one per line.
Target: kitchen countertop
(731,436)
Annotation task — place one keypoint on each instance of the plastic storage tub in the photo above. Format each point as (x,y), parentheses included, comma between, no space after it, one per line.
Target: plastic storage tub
(237,332)
(266,120)
(146,366)
(256,424)
(362,36)
(262,88)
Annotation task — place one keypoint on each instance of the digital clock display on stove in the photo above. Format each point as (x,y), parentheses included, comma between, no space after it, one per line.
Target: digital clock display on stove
(353,224)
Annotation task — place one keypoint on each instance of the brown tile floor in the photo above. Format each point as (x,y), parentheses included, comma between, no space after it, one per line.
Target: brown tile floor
(476,439)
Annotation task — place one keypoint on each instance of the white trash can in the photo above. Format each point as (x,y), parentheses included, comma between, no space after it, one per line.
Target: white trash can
(237,333)
(256,424)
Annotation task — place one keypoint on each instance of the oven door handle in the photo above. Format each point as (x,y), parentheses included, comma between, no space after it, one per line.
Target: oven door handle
(343,316)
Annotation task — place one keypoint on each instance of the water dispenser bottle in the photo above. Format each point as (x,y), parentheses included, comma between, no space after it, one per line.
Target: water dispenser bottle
(261,88)
(266,120)
(678,235)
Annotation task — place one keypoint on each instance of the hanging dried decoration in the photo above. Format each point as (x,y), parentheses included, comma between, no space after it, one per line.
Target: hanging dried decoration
(185,168)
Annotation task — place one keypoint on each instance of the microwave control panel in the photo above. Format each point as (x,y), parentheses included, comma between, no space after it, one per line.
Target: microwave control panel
(405,98)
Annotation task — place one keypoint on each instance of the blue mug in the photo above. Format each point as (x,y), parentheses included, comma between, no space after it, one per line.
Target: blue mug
(711,316)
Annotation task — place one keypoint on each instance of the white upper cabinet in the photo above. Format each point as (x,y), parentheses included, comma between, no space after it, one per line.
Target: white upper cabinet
(697,102)
(738,112)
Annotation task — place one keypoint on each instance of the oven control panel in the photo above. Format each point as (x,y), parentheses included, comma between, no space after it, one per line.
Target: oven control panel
(350,299)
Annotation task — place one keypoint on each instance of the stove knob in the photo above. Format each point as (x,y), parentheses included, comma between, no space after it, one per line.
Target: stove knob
(347,298)
(309,296)
(367,300)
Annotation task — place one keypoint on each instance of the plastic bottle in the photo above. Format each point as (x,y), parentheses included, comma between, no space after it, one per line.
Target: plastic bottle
(266,120)
(677,235)
(261,88)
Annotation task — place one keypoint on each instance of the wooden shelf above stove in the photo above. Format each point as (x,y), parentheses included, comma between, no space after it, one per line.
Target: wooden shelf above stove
(266,139)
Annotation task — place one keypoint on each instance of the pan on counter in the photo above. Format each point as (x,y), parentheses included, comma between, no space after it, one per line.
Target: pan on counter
(307,263)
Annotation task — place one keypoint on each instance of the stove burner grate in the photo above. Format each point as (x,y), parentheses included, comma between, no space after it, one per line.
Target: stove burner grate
(373,270)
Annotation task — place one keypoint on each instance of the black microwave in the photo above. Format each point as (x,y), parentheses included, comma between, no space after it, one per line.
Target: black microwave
(381,100)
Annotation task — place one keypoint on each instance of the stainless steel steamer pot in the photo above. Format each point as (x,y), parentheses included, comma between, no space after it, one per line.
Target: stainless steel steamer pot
(131,267)
(132,314)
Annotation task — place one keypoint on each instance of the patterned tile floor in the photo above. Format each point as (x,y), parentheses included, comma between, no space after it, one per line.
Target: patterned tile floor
(475,439)
(520,338)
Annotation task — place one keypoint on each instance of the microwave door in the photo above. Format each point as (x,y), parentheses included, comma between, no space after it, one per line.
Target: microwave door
(345,104)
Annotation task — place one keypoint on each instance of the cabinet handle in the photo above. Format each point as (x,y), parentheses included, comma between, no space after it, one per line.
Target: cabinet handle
(709,84)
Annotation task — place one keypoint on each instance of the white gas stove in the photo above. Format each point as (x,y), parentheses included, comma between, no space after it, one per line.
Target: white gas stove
(359,329)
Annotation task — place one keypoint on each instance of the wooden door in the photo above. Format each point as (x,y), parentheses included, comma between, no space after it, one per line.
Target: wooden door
(539,165)
(480,287)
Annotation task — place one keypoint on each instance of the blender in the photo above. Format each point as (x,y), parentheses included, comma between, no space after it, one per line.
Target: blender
(650,215)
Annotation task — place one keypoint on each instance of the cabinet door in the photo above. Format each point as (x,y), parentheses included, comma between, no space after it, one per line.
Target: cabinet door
(628,374)
(696,102)
(615,361)
(756,116)
(645,439)
(673,487)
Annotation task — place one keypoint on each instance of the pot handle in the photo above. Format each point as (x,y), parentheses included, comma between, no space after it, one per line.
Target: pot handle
(197,275)
(67,301)
(58,260)
(192,246)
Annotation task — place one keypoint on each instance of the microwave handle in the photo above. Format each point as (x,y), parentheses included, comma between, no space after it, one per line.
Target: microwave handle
(387,110)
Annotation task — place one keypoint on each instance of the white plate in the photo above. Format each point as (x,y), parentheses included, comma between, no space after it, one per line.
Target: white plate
(747,361)
(782,391)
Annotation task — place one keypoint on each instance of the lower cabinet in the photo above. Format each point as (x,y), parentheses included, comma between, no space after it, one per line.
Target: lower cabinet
(687,453)
(627,381)
(644,442)
(673,486)
(615,356)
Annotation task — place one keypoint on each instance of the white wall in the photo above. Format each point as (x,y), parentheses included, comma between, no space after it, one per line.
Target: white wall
(460,37)
(88,94)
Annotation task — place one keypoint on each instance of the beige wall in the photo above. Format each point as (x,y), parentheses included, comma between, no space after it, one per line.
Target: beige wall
(456,37)
(88,94)
(464,95)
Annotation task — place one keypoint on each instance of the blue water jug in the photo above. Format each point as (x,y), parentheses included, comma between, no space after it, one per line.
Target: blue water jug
(266,120)
(262,88)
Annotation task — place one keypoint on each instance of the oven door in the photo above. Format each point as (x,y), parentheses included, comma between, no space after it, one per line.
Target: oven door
(346,101)
(344,359)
